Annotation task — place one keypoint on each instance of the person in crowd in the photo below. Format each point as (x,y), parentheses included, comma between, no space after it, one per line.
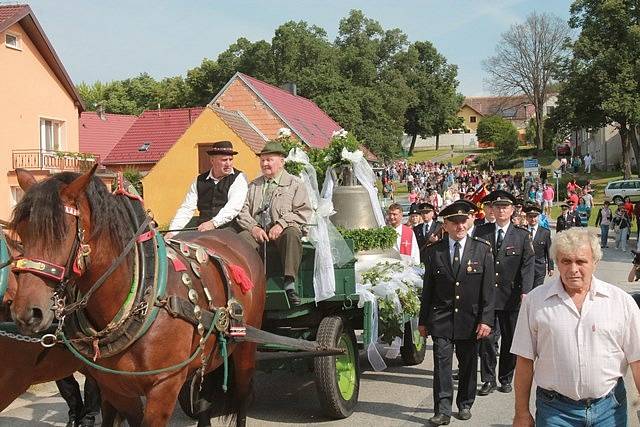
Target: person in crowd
(541,239)
(636,214)
(406,243)
(456,316)
(81,414)
(604,218)
(429,231)
(634,274)
(414,216)
(567,219)
(548,194)
(582,211)
(514,267)
(621,225)
(218,194)
(588,201)
(575,337)
(276,213)
(628,206)
(574,199)
(572,186)
(587,163)
(413,196)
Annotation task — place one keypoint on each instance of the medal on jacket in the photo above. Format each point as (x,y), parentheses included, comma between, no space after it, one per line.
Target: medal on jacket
(469,268)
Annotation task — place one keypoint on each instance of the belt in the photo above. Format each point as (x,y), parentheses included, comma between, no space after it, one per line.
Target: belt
(583,402)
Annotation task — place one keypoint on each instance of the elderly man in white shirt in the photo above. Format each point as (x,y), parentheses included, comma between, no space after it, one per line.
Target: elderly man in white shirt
(575,337)
(217,194)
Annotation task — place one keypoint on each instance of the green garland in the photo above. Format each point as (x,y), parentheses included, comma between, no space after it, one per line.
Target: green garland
(365,239)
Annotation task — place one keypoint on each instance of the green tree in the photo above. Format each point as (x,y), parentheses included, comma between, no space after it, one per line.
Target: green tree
(500,132)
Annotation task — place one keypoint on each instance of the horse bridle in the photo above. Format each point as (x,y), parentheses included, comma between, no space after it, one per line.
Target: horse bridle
(61,275)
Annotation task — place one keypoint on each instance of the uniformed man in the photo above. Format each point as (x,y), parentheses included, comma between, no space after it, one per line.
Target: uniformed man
(489,217)
(456,309)
(567,219)
(427,232)
(218,193)
(414,216)
(541,238)
(514,264)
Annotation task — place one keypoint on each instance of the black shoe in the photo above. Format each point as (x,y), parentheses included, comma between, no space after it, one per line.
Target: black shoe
(440,420)
(505,388)
(487,388)
(464,414)
(293,297)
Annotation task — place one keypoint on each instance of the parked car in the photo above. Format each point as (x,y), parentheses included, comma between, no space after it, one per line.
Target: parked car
(616,191)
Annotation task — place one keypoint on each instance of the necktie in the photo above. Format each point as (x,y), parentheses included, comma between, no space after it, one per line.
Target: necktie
(456,258)
(531,231)
(425,228)
(499,239)
(268,192)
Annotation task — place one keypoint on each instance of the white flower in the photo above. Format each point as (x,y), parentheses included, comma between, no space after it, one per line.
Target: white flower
(339,133)
(284,133)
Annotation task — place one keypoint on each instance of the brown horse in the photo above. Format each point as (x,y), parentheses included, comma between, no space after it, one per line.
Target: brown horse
(67,212)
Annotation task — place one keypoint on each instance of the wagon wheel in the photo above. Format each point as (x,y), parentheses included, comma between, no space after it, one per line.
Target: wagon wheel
(414,348)
(337,377)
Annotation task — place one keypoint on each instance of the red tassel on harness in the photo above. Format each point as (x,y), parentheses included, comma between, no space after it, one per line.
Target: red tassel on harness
(241,278)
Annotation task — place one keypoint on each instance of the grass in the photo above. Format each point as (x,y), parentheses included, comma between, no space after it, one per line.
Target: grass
(445,153)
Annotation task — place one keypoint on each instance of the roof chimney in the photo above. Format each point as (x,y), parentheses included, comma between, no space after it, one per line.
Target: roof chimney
(100,112)
(290,87)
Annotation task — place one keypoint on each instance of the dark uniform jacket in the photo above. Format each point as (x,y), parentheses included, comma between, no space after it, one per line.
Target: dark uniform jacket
(541,245)
(453,305)
(573,220)
(423,238)
(514,264)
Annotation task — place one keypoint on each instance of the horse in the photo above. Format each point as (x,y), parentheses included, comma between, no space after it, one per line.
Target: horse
(76,235)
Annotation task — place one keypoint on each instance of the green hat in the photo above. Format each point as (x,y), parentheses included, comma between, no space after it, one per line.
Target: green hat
(273,147)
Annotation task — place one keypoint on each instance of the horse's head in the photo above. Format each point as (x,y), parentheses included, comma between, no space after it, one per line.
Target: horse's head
(51,221)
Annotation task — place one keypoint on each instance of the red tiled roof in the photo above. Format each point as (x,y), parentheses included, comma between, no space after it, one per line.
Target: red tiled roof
(160,128)
(509,107)
(243,128)
(12,13)
(303,116)
(99,135)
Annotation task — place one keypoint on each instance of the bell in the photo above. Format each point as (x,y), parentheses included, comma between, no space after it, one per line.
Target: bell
(353,208)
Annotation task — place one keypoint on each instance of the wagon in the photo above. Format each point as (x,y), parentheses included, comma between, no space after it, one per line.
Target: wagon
(320,336)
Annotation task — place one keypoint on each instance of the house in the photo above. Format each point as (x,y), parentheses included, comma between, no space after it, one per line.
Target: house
(100,132)
(38,122)
(169,178)
(605,147)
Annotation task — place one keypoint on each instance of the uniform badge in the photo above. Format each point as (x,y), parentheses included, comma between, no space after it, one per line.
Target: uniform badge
(469,268)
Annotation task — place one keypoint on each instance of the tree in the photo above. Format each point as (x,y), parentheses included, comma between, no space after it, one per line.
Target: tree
(500,132)
(525,60)
(602,77)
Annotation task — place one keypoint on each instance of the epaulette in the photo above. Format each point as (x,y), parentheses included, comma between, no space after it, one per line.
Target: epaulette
(521,227)
(478,239)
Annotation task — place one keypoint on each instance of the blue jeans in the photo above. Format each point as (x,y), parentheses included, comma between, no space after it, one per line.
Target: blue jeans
(554,410)
(604,235)
(621,238)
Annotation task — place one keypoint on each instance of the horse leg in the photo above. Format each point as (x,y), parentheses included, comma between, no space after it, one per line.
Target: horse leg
(244,364)
(115,407)
(161,400)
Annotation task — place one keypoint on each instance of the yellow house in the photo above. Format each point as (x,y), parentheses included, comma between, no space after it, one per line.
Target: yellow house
(39,105)
(168,181)
(470,116)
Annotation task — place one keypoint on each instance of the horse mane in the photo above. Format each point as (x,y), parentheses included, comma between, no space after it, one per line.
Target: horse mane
(42,207)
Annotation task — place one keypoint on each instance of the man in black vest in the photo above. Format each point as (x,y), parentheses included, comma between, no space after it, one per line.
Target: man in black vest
(567,219)
(427,232)
(218,194)
(514,266)
(541,238)
(456,309)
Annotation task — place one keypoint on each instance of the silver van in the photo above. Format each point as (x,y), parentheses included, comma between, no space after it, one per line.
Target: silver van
(616,191)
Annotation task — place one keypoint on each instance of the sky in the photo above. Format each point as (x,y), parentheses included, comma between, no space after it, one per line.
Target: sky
(115,39)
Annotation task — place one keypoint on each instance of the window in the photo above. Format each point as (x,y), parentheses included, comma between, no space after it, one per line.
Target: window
(145,146)
(614,185)
(12,41)
(51,135)
(472,119)
(16,195)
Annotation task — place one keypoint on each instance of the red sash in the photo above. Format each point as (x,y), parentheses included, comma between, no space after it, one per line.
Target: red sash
(406,240)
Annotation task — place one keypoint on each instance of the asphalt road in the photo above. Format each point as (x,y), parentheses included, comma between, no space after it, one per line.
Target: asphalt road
(399,396)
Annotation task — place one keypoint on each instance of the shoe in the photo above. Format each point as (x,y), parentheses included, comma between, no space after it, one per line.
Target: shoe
(87,422)
(440,420)
(293,297)
(487,388)
(505,388)
(464,414)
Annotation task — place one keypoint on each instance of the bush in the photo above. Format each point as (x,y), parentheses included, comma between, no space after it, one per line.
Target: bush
(499,131)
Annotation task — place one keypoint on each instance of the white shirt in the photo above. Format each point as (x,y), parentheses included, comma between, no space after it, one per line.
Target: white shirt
(504,231)
(533,230)
(470,231)
(452,248)
(578,354)
(235,200)
(415,250)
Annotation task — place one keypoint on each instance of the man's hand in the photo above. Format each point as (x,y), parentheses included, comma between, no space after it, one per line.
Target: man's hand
(275,232)
(423,330)
(206,226)
(433,238)
(482,331)
(523,420)
(550,273)
(259,234)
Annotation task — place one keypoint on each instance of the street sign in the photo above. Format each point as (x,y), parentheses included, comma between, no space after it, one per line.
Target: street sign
(557,173)
(556,164)
(531,166)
